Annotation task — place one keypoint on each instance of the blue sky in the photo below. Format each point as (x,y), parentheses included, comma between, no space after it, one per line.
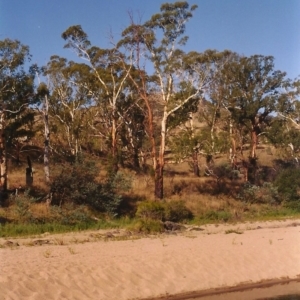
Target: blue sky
(267,27)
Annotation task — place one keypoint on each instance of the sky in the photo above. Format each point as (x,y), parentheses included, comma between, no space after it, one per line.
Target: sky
(248,27)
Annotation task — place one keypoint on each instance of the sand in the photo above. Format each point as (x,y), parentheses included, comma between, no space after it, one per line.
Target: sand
(116,265)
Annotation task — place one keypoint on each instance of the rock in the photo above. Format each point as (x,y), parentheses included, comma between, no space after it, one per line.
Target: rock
(10,244)
(195,229)
(171,226)
(109,235)
(40,242)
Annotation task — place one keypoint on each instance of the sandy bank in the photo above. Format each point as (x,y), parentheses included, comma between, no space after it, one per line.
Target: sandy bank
(101,265)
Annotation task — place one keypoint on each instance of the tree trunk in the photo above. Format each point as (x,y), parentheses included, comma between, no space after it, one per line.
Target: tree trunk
(3,157)
(3,164)
(195,149)
(254,141)
(159,181)
(135,159)
(255,131)
(159,170)
(196,169)
(114,162)
(232,150)
(46,142)
(29,173)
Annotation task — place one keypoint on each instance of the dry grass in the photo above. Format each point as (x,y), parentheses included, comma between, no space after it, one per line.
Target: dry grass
(201,195)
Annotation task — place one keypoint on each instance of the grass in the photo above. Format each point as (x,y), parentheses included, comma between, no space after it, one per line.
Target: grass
(202,196)
(132,224)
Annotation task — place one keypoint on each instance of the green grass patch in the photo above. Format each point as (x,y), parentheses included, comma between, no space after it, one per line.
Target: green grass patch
(26,229)
(147,226)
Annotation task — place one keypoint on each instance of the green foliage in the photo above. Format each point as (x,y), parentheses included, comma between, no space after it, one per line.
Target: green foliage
(212,215)
(70,215)
(16,91)
(148,226)
(174,211)
(288,182)
(267,193)
(77,184)
(151,210)
(23,205)
(25,229)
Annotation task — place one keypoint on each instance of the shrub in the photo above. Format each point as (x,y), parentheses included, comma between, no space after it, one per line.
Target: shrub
(266,194)
(174,211)
(151,210)
(22,205)
(149,226)
(77,184)
(72,215)
(288,182)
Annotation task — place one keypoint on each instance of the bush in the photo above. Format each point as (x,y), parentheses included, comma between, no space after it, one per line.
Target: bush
(288,183)
(174,211)
(22,206)
(149,226)
(266,194)
(71,215)
(151,210)
(77,184)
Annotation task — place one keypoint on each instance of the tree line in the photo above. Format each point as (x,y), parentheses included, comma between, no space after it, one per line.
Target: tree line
(139,99)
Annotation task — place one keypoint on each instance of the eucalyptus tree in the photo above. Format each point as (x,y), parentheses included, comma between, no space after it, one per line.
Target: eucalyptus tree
(16,93)
(252,88)
(108,88)
(68,100)
(132,132)
(285,126)
(178,78)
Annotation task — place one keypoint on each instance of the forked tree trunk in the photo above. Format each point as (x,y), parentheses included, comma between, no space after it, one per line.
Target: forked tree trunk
(255,131)
(254,142)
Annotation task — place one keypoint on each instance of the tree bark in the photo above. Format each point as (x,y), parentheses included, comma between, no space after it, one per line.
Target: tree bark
(46,141)
(159,181)
(254,142)
(29,173)
(114,145)
(196,169)
(3,155)
(159,170)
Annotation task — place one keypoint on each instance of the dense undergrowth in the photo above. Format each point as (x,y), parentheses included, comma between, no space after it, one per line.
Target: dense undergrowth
(82,200)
